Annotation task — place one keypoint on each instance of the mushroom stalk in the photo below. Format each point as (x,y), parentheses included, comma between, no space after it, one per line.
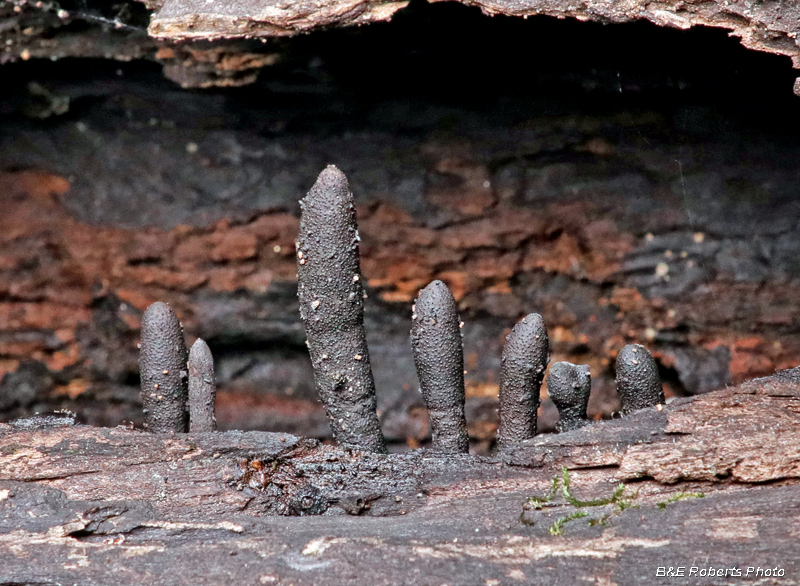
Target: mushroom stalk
(439,358)
(162,365)
(202,388)
(638,382)
(525,358)
(331,298)
(569,385)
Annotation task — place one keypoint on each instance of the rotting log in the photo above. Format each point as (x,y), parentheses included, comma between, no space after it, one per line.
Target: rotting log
(102,505)
(223,55)
(767,26)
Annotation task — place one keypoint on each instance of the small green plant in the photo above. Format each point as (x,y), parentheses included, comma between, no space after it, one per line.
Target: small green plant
(538,502)
(562,481)
(614,499)
(679,496)
(555,528)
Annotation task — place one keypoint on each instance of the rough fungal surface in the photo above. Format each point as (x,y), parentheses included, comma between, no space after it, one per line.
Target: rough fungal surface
(331,295)
(439,358)
(569,386)
(162,364)
(638,382)
(202,388)
(525,358)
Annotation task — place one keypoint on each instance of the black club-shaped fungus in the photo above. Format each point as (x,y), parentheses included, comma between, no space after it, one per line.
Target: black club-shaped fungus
(439,358)
(202,388)
(162,364)
(331,298)
(638,382)
(525,358)
(569,385)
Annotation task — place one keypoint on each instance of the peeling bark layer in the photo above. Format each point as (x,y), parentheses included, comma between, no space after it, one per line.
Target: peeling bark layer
(219,53)
(715,478)
(764,26)
(182,19)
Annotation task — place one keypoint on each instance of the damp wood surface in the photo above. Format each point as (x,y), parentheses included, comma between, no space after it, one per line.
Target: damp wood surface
(710,481)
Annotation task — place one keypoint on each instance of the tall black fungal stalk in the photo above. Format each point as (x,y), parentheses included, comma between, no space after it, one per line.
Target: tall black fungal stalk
(439,358)
(638,382)
(202,388)
(569,385)
(332,307)
(525,358)
(162,365)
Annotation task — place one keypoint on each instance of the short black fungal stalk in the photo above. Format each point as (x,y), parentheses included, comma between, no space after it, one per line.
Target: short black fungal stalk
(202,388)
(439,359)
(638,382)
(525,358)
(162,366)
(331,298)
(569,385)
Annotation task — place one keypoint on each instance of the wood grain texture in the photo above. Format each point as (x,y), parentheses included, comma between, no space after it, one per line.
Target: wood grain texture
(93,504)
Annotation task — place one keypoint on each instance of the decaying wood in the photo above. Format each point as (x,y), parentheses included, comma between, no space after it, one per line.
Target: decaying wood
(769,26)
(120,30)
(109,505)
(190,19)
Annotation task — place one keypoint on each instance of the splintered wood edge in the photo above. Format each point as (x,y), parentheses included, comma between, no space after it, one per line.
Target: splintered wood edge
(194,19)
(769,29)
(745,434)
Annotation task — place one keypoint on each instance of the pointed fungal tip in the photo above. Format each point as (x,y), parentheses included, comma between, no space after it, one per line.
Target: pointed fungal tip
(332,178)
(435,294)
(329,194)
(159,317)
(157,309)
(530,325)
(199,349)
(436,286)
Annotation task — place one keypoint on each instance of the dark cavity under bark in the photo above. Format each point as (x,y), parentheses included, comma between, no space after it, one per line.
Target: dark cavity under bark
(525,358)
(202,388)
(439,358)
(638,382)
(331,298)
(569,385)
(162,364)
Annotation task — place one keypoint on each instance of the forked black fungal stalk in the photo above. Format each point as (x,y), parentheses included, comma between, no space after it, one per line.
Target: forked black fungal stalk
(569,385)
(162,366)
(638,382)
(525,358)
(202,388)
(331,298)
(439,358)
